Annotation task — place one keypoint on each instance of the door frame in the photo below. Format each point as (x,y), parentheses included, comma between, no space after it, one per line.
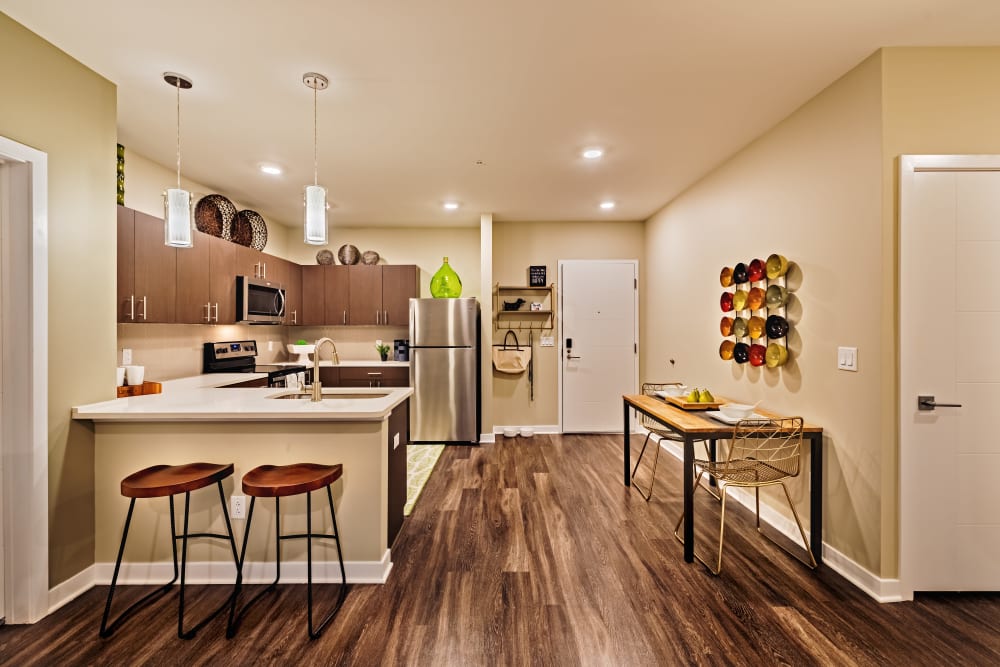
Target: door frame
(559,324)
(909,165)
(24,438)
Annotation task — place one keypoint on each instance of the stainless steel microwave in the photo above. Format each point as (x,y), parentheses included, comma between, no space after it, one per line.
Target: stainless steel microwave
(259,301)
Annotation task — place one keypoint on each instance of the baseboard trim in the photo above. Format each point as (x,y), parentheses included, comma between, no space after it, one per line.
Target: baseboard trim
(539,429)
(882,590)
(202,572)
(71,589)
(487,438)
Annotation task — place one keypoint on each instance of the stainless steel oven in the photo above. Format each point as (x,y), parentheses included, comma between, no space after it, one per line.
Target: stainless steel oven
(259,301)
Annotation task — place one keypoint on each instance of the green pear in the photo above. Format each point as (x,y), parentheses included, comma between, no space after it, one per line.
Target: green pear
(705,396)
(693,396)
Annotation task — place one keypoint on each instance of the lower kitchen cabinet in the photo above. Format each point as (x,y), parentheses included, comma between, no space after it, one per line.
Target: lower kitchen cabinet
(399,438)
(374,376)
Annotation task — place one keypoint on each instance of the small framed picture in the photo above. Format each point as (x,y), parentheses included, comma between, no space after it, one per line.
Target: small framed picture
(536,305)
(536,276)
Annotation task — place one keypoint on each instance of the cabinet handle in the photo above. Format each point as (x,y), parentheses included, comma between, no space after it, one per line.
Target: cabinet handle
(378,373)
(345,317)
(263,270)
(208,312)
(144,308)
(295,317)
(216,311)
(131,299)
(385,317)
(378,317)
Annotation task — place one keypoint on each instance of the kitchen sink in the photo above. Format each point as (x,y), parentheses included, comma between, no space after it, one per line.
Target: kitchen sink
(299,395)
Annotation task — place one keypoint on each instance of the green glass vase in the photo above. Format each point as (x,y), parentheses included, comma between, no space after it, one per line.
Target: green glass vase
(446,284)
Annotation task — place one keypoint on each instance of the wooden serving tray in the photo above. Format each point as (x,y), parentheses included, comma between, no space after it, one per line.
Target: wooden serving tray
(684,404)
(141,389)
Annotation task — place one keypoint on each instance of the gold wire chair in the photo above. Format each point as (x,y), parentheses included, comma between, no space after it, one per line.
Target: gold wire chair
(763,452)
(654,427)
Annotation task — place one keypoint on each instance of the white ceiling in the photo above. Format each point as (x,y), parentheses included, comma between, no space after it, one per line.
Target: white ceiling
(421,91)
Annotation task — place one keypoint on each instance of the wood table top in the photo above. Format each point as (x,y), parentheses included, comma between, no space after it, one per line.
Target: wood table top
(695,421)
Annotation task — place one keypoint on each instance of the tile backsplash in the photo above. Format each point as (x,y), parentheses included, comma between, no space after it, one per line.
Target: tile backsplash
(170,351)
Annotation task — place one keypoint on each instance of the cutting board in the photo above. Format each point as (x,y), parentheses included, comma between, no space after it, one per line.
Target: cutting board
(685,404)
(140,389)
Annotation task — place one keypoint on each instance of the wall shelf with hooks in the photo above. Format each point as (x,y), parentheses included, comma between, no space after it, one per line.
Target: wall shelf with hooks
(512,307)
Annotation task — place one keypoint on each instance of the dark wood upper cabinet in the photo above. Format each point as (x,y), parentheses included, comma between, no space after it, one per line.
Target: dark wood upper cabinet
(313,297)
(155,272)
(365,294)
(399,285)
(206,284)
(337,294)
(292,283)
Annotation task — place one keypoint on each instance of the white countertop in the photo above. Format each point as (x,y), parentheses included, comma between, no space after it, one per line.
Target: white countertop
(203,398)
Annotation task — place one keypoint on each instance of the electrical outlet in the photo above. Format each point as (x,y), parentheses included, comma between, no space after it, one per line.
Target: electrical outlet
(270,346)
(238,507)
(126,356)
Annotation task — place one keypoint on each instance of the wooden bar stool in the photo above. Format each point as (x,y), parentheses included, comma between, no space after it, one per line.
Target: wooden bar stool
(157,482)
(277,482)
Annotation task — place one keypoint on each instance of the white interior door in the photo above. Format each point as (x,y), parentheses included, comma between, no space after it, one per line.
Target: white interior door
(598,341)
(949,323)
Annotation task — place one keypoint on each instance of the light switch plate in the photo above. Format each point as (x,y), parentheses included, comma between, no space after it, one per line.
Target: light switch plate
(126,356)
(548,341)
(847,359)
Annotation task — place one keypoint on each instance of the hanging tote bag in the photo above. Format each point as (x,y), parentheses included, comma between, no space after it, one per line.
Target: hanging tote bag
(511,359)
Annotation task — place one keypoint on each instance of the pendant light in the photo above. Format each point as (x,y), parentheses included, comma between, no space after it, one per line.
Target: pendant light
(178,205)
(315,195)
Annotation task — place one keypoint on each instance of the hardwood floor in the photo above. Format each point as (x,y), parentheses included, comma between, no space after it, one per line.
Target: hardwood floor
(531,552)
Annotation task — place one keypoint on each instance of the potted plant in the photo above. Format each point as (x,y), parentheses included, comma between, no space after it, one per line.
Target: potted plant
(383,350)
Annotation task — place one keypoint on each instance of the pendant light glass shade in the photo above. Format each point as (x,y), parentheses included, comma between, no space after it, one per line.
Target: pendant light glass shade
(178,205)
(178,213)
(315,220)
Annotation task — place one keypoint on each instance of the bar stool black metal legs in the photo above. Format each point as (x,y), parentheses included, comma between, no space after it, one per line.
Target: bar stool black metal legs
(156,482)
(277,482)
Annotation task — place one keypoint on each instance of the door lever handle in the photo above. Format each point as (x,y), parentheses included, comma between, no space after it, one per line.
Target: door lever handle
(571,356)
(927,403)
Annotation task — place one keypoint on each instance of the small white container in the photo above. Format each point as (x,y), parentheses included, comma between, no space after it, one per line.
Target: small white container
(134,375)
(510,432)
(121,376)
(527,432)
(303,351)
(737,410)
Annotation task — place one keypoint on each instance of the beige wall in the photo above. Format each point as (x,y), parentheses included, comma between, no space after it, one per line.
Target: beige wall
(810,189)
(936,101)
(55,104)
(516,246)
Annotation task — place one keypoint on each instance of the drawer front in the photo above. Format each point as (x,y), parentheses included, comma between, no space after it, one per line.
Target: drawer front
(388,376)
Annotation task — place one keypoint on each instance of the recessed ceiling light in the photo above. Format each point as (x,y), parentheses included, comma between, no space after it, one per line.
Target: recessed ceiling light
(450,205)
(593,153)
(272,169)
(607,205)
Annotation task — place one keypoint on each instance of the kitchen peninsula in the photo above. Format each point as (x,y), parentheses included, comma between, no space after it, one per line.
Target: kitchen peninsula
(202,419)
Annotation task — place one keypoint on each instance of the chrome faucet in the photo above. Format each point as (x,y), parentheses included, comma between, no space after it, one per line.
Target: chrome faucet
(317,388)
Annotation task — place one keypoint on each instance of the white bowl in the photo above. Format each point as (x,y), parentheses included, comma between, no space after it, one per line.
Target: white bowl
(510,432)
(303,351)
(527,432)
(737,410)
(675,390)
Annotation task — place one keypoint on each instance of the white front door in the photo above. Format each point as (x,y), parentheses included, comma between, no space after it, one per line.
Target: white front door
(949,327)
(598,342)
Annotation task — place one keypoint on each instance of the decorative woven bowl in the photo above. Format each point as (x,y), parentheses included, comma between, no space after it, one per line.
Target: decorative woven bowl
(249,229)
(348,254)
(213,215)
(324,257)
(370,257)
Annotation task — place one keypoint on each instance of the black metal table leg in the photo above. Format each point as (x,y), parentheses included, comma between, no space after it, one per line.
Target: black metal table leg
(688,473)
(816,496)
(627,437)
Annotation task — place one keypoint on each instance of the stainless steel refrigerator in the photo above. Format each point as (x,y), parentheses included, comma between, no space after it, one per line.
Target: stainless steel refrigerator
(445,371)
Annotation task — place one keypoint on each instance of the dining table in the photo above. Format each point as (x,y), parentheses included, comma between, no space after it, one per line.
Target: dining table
(695,425)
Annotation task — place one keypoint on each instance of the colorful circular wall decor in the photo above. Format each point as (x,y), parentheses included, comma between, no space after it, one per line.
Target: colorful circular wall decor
(755,327)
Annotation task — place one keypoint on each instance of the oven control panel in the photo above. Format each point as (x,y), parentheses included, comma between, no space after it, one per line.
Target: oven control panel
(239,349)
